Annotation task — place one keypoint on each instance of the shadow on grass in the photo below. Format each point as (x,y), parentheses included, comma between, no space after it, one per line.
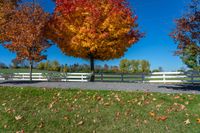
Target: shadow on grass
(20,82)
(182,87)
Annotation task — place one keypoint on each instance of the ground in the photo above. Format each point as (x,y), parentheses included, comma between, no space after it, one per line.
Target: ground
(26,109)
(144,87)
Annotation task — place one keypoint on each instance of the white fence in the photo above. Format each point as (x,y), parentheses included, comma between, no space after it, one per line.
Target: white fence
(166,77)
(173,77)
(26,76)
(82,77)
(1,77)
(156,77)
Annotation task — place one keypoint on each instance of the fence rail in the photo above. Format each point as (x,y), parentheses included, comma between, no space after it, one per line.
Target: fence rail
(82,77)
(156,77)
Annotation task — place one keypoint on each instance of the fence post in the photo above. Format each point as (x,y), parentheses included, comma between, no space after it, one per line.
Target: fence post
(164,78)
(192,77)
(82,77)
(143,77)
(122,77)
(102,77)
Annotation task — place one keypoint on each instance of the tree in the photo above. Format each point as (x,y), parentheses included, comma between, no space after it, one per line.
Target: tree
(25,33)
(55,66)
(41,66)
(135,66)
(145,66)
(187,35)
(3,65)
(95,30)
(5,6)
(19,63)
(125,65)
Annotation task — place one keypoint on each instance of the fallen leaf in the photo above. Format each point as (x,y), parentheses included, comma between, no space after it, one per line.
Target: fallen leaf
(187,122)
(98,98)
(177,97)
(198,120)
(152,114)
(139,103)
(158,106)
(106,104)
(18,117)
(162,118)
(66,117)
(94,121)
(5,126)
(186,103)
(145,121)
(154,99)
(117,114)
(80,123)
(117,98)
(182,107)
(22,131)
(41,125)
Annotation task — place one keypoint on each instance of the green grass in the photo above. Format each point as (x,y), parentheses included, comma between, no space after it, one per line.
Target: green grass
(20,70)
(55,110)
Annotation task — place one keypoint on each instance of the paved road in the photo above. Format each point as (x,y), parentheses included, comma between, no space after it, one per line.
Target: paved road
(163,88)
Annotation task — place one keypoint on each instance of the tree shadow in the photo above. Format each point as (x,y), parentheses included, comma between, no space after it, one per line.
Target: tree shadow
(182,87)
(20,82)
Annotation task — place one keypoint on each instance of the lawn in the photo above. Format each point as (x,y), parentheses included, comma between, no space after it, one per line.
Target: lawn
(21,70)
(56,110)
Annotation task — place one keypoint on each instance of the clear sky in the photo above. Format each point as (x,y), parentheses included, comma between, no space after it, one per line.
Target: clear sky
(155,19)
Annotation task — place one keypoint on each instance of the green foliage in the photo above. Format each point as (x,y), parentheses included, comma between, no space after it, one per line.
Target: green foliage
(49,65)
(125,65)
(41,66)
(189,57)
(54,66)
(134,66)
(145,66)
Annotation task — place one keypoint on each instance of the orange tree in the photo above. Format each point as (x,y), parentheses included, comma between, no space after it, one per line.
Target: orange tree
(4,14)
(95,30)
(24,33)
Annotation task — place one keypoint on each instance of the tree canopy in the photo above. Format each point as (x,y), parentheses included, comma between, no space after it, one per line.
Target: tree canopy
(25,32)
(104,29)
(187,35)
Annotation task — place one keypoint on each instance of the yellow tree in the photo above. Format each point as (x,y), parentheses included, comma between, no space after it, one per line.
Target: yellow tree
(95,30)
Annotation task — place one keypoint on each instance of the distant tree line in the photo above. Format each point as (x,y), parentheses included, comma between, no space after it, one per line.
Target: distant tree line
(134,66)
(125,66)
(56,66)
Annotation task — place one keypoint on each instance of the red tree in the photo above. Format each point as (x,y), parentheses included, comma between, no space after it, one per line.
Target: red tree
(24,33)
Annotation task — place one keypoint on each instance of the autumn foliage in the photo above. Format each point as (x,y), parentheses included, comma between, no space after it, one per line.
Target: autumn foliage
(187,35)
(24,32)
(101,29)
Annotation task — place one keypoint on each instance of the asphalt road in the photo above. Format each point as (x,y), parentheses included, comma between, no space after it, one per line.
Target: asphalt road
(144,87)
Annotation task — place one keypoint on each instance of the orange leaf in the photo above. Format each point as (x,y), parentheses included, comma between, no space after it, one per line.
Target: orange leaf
(198,120)
(177,97)
(152,114)
(162,118)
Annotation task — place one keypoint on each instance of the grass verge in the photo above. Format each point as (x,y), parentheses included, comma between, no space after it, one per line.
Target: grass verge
(55,110)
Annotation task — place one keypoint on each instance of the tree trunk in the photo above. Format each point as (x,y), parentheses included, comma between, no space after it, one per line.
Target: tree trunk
(92,68)
(31,70)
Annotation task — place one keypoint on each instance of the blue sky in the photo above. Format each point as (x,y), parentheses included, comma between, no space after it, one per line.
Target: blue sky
(155,19)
